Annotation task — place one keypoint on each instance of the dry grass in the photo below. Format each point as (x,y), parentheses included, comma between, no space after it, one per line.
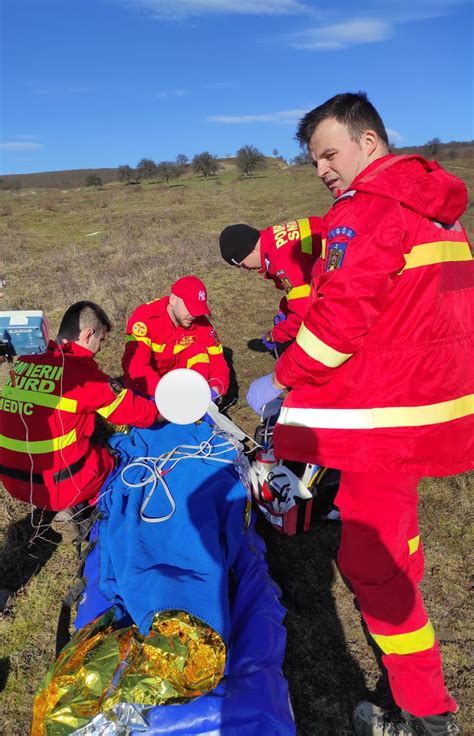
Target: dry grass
(123,245)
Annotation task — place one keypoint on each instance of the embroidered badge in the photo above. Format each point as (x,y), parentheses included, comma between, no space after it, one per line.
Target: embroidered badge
(345,232)
(216,337)
(115,386)
(139,329)
(187,340)
(335,256)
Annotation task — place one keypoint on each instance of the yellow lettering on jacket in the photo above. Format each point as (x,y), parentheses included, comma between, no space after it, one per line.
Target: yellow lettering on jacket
(16,407)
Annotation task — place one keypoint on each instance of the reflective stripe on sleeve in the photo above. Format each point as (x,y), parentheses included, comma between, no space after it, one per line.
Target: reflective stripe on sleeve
(215,349)
(38,447)
(413,641)
(442,251)
(390,416)
(306,236)
(200,358)
(156,347)
(40,399)
(298,292)
(323,248)
(319,350)
(106,411)
(413,544)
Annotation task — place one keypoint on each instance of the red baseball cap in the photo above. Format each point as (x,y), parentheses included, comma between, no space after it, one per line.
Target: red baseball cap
(193,293)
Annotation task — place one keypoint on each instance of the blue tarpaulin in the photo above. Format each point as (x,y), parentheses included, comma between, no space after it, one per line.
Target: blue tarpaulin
(202,540)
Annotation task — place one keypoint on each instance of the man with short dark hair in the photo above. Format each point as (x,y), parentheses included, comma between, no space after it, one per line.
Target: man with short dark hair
(174,332)
(382,384)
(285,254)
(47,416)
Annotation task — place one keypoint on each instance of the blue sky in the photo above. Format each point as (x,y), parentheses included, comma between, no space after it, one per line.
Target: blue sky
(99,83)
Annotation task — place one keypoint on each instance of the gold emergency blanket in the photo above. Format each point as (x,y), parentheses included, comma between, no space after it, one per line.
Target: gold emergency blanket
(102,666)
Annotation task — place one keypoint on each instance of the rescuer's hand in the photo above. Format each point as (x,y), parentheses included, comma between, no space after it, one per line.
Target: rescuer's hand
(280,317)
(268,342)
(261,392)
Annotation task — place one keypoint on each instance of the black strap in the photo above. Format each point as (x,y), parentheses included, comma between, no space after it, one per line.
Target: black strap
(64,621)
(26,476)
(21,474)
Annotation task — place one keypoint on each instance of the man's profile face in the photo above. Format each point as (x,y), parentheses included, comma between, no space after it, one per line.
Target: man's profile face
(337,157)
(181,313)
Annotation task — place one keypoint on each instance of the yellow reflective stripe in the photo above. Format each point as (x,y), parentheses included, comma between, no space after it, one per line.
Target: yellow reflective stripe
(442,251)
(215,349)
(106,411)
(306,236)
(413,641)
(39,446)
(156,347)
(413,544)
(40,399)
(179,348)
(390,416)
(323,248)
(298,292)
(319,350)
(200,358)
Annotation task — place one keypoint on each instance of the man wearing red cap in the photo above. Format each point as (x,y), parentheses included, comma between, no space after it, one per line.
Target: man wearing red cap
(173,332)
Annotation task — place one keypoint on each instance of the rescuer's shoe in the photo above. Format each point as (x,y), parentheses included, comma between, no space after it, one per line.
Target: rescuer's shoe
(370,720)
(72,524)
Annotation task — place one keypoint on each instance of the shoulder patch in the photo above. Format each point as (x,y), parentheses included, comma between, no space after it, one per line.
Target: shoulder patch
(337,241)
(115,386)
(139,329)
(216,337)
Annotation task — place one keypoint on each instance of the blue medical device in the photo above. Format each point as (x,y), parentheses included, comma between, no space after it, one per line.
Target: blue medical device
(22,332)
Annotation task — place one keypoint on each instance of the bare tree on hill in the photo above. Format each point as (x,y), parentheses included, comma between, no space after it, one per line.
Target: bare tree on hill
(126,173)
(206,164)
(167,170)
(93,180)
(146,168)
(249,160)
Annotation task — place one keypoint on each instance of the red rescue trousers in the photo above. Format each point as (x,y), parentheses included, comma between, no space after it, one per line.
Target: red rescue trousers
(382,558)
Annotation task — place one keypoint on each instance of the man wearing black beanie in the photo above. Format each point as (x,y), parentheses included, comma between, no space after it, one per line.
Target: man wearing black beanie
(285,254)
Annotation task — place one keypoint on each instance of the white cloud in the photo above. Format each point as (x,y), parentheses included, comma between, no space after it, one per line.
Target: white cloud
(394,137)
(26,146)
(282,117)
(342,35)
(185,8)
(172,93)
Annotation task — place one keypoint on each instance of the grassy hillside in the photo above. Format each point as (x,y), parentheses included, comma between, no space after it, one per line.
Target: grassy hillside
(121,246)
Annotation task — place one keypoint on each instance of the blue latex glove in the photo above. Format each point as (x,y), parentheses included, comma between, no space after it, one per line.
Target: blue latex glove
(214,394)
(268,342)
(280,317)
(261,392)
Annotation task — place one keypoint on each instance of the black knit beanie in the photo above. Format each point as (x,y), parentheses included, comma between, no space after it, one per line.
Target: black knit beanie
(237,242)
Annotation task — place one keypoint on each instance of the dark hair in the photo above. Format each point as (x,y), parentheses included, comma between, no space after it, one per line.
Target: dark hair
(352,109)
(80,316)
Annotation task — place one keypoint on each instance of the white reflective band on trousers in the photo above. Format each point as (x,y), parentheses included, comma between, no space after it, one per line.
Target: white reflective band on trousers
(377,418)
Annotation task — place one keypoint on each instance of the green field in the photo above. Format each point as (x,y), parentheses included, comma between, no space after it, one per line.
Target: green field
(120,246)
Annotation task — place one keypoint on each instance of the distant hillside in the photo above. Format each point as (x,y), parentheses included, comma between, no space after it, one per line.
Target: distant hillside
(75,178)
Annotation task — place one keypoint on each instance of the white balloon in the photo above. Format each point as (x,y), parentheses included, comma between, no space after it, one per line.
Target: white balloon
(182,396)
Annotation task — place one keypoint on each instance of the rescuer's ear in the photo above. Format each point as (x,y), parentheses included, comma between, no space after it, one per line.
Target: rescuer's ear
(86,334)
(370,141)
(172,300)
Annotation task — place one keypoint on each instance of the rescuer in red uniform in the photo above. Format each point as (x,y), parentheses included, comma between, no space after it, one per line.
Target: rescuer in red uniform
(47,416)
(285,254)
(173,332)
(382,382)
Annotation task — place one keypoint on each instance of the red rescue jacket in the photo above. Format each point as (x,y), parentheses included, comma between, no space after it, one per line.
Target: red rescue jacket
(155,346)
(382,369)
(288,253)
(47,420)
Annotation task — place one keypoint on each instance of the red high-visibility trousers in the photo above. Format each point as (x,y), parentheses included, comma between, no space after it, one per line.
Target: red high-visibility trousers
(382,558)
